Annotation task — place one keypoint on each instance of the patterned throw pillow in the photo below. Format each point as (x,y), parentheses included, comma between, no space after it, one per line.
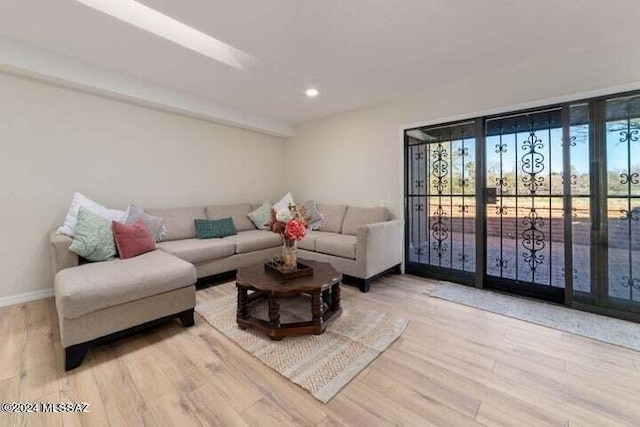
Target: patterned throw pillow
(210,228)
(93,238)
(311,214)
(155,224)
(261,216)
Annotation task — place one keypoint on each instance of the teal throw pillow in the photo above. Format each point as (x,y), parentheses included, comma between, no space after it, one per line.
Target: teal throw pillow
(210,228)
(93,237)
(261,216)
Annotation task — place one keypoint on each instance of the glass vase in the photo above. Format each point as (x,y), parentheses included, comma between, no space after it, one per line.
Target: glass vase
(290,254)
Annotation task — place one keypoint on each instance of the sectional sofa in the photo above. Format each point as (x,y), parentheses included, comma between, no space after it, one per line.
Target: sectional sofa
(97,300)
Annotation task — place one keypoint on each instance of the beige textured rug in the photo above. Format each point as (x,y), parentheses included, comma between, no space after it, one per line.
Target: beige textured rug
(320,364)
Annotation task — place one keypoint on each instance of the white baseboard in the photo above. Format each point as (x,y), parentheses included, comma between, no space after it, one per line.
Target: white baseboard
(29,296)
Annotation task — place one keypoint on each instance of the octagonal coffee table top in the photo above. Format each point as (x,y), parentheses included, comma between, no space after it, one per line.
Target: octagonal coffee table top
(258,278)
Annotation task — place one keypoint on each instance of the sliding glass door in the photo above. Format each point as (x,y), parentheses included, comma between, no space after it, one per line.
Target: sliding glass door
(524,204)
(441,201)
(544,203)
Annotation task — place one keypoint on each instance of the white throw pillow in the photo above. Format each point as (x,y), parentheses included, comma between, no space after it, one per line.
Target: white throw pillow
(79,200)
(283,203)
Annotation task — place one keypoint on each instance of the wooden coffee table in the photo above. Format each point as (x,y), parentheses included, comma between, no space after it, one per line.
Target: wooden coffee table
(323,285)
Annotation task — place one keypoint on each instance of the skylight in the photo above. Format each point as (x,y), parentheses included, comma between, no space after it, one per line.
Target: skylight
(148,19)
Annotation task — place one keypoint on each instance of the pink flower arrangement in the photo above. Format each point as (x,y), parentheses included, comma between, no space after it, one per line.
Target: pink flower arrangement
(295,229)
(291,225)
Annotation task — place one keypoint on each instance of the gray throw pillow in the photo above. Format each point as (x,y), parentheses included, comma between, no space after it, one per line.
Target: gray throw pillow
(312,215)
(261,216)
(154,224)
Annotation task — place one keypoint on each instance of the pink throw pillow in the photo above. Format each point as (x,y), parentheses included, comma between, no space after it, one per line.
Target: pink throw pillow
(132,240)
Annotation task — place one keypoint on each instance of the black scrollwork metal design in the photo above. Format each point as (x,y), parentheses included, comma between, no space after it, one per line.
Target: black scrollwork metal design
(629,135)
(463,182)
(440,168)
(463,208)
(419,207)
(502,263)
(574,275)
(630,282)
(440,231)
(463,151)
(420,251)
(463,258)
(501,210)
(502,182)
(419,183)
(419,156)
(532,163)
(629,178)
(533,239)
(630,215)
(501,148)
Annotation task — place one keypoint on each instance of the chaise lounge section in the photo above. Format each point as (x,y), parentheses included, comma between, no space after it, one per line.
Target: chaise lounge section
(97,300)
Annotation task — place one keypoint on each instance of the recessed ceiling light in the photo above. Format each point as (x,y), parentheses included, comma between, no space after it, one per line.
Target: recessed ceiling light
(151,20)
(312,92)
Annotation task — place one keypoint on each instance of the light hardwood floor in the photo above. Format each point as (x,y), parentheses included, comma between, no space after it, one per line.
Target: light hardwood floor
(454,365)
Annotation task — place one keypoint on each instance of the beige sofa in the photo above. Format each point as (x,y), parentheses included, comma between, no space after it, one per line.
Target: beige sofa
(361,243)
(97,300)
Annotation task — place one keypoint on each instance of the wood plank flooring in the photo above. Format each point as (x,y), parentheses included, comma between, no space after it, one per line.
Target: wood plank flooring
(454,365)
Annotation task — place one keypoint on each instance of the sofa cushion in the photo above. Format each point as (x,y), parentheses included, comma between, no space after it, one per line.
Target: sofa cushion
(180,222)
(340,245)
(355,217)
(91,287)
(333,217)
(254,240)
(196,250)
(309,241)
(237,212)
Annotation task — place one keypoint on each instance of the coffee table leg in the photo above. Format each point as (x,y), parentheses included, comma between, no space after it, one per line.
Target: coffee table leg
(316,308)
(274,312)
(242,304)
(335,297)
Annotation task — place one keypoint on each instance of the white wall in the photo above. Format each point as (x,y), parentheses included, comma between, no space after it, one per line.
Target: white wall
(356,157)
(55,141)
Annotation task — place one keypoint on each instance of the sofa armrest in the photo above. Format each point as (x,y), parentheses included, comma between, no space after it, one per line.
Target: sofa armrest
(379,246)
(59,253)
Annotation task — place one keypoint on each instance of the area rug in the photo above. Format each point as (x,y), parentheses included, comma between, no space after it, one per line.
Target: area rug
(601,328)
(321,364)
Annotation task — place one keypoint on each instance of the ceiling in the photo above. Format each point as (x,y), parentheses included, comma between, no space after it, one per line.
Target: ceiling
(356,52)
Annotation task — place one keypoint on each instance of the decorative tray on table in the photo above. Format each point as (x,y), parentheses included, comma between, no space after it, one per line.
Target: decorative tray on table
(301,269)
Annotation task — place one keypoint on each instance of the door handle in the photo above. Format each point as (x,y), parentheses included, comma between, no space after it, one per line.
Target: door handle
(491,195)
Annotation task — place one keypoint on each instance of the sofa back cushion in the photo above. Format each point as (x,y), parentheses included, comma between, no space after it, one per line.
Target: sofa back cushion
(238,213)
(355,217)
(180,222)
(333,217)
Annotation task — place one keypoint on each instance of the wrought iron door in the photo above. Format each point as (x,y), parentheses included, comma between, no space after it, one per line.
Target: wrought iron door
(440,188)
(524,204)
(544,203)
